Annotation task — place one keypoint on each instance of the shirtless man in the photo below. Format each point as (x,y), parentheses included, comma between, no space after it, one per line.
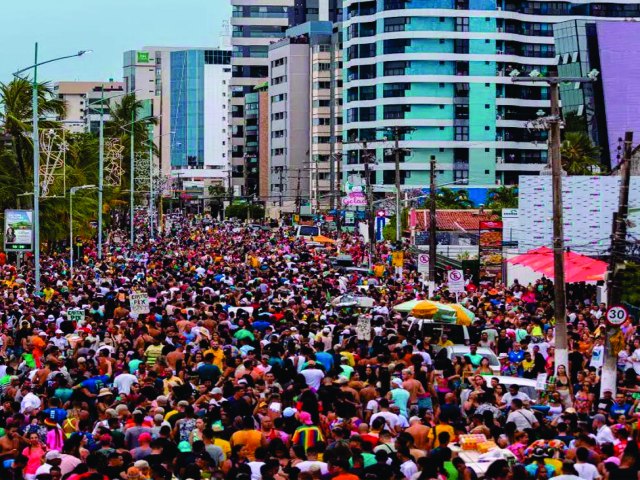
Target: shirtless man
(12,443)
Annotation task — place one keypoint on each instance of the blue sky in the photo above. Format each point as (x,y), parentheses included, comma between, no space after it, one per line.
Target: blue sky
(63,27)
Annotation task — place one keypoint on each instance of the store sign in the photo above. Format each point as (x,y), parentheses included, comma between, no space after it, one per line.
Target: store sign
(18,230)
(143,57)
(355,199)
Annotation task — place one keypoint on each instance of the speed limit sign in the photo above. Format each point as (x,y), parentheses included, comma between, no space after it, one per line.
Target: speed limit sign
(617,315)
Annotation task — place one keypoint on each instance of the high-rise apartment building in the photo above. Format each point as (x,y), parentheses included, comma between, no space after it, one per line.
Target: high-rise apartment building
(305,81)
(82,103)
(146,72)
(609,107)
(198,87)
(443,68)
(255,25)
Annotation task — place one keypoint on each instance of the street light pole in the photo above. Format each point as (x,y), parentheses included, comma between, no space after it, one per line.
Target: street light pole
(36,173)
(132,173)
(151,230)
(36,153)
(72,192)
(100,172)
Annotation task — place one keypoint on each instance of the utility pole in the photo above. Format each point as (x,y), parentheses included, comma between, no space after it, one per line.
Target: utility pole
(396,133)
(553,122)
(367,157)
(335,192)
(562,350)
(132,167)
(618,248)
(432,221)
(298,195)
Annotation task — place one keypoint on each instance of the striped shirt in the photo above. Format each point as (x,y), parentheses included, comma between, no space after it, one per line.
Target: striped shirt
(307,436)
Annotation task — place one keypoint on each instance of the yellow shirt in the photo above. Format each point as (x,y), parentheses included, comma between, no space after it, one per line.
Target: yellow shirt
(224,445)
(349,356)
(438,429)
(448,343)
(218,357)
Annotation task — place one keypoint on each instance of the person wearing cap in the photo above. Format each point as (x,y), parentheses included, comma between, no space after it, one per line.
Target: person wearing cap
(59,340)
(51,459)
(399,396)
(307,434)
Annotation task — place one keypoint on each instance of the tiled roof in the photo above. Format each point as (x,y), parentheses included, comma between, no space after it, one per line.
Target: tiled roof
(453,220)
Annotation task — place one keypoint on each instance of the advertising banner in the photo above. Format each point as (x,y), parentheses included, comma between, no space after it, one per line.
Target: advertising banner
(18,230)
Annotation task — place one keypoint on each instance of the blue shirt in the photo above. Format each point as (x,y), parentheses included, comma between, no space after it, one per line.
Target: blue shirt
(94,384)
(325,359)
(58,415)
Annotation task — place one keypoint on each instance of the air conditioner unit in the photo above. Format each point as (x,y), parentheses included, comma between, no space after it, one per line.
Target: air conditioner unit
(499,160)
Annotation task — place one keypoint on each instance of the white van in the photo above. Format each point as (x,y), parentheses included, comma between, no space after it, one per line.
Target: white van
(307,231)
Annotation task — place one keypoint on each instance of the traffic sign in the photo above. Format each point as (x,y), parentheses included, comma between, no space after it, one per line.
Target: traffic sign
(381,213)
(456,281)
(423,263)
(616,315)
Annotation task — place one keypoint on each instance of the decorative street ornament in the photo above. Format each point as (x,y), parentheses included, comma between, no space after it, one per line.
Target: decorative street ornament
(113,156)
(142,171)
(53,153)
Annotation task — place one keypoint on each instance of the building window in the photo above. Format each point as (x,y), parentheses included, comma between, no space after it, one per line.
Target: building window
(462,133)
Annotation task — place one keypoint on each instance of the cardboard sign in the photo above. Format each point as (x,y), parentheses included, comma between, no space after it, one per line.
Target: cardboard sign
(139,303)
(363,327)
(76,316)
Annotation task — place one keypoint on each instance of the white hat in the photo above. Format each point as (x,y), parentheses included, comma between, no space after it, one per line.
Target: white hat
(59,331)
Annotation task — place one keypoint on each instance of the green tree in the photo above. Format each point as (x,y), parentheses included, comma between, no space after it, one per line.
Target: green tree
(449,199)
(579,155)
(503,197)
(16,112)
(575,123)
(120,126)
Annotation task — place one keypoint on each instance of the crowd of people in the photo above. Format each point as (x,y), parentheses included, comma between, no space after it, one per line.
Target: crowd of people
(245,367)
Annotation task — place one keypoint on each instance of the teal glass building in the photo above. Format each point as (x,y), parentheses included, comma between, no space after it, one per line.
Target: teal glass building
(443,68)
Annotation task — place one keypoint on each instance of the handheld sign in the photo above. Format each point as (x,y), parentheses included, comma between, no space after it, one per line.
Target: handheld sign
(139,303)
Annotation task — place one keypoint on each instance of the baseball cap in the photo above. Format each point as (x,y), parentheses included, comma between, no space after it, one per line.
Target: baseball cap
(305,418)
(289,412)
(52,455)
(216,391)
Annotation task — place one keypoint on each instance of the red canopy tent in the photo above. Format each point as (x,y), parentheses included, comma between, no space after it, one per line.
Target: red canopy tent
(578,268)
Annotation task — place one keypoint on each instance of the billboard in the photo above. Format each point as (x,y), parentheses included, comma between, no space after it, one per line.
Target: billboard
(588,206)
(18,230)
(490,248)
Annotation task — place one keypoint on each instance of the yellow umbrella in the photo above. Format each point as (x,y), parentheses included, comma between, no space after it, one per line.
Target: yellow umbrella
(425,309)
(323,239)
(463,315)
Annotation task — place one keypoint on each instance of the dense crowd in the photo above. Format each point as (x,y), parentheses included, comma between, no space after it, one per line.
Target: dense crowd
(246,367)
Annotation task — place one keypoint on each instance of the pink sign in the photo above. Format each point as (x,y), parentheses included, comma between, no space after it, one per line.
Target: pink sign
(355,199)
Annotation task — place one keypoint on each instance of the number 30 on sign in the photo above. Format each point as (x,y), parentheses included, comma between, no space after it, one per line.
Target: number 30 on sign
(617,315)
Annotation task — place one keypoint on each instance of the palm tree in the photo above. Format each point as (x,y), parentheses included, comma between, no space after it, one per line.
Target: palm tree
(579,155)
(16,115)
(123,113)
(503,197)
(453,199)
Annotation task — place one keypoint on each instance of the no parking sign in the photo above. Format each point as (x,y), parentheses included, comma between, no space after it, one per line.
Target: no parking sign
(455,279)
